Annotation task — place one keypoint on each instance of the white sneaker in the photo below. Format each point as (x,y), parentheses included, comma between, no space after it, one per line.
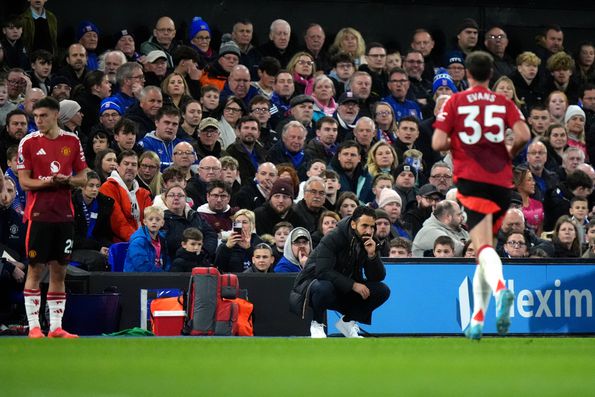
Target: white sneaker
(317,330)
(350,329)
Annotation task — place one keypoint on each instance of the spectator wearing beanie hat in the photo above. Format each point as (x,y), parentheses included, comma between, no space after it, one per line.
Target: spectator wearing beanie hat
(574,119)
(455,65)
(70,117)
(467,36)
(109,114)
(199,36)
(383,234)
(391,202)
(278,208)
(218,71)
(443,84)
(124,41)
(87,34)
(406,176)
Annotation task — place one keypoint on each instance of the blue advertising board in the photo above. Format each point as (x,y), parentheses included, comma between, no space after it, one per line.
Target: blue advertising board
(437,299)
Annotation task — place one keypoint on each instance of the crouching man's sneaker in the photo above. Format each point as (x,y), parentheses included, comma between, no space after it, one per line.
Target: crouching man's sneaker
(317,330)
(350,329)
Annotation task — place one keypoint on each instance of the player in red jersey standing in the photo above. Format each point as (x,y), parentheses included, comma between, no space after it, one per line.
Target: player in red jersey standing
(50,162)
(472,124)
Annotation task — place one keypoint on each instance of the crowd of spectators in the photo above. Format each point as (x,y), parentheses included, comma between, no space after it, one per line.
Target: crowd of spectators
(244,157)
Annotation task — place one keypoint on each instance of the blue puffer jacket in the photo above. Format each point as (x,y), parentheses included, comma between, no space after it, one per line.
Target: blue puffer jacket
(141,253)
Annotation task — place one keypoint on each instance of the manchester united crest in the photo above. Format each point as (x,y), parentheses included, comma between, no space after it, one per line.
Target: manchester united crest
(66,151)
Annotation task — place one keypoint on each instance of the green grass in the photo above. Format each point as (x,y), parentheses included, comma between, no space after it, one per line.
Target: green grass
(282,367)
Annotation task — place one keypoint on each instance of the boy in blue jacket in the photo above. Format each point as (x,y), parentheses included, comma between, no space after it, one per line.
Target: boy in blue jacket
(147,250)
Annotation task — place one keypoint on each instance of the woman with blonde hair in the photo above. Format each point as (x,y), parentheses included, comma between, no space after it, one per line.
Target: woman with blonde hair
(505,86)
(235,254)
(382,158)
(175,90)
(149,175)
(350,41)
(302,68)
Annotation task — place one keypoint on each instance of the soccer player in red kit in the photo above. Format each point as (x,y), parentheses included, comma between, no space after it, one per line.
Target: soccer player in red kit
(50,162)
(472,124)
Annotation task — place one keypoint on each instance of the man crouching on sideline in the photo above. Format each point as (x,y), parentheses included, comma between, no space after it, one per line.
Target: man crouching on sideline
(343,273)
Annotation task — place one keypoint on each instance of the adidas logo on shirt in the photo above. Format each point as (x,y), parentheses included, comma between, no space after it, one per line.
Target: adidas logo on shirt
(41,152)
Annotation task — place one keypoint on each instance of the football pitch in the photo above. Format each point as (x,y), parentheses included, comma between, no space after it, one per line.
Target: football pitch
(403,366)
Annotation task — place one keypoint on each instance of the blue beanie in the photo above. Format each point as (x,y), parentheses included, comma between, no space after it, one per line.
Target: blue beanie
(84,27)
(442,78)
(198,25)
(107,104)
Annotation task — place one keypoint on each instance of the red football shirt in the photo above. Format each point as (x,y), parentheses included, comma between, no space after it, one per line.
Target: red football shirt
(476,121)
(45,158)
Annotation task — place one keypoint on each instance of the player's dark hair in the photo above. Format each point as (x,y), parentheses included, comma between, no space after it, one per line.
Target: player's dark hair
(47,102)
(363,210)
(191,233)
(480,65)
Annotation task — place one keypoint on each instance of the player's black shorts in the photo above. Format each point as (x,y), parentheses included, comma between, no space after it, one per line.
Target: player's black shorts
(49,242)
(480,199)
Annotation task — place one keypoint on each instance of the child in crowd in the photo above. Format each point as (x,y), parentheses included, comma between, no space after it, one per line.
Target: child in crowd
(262,259)
(280,232)
(147,249)
(579,210)
(331,179)
(393,59)
(5,105)
(400,248)
(316,167)
(188,255)
(444,247)
(590,238)
(209,99)
(380,182)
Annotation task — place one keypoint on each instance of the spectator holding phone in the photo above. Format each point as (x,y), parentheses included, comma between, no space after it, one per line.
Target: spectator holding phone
(235,255)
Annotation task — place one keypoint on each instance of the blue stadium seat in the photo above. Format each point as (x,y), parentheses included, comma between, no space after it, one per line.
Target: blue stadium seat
(116,256)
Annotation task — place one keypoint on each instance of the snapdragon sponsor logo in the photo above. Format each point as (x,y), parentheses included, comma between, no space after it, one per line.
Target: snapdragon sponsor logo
(538,303)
